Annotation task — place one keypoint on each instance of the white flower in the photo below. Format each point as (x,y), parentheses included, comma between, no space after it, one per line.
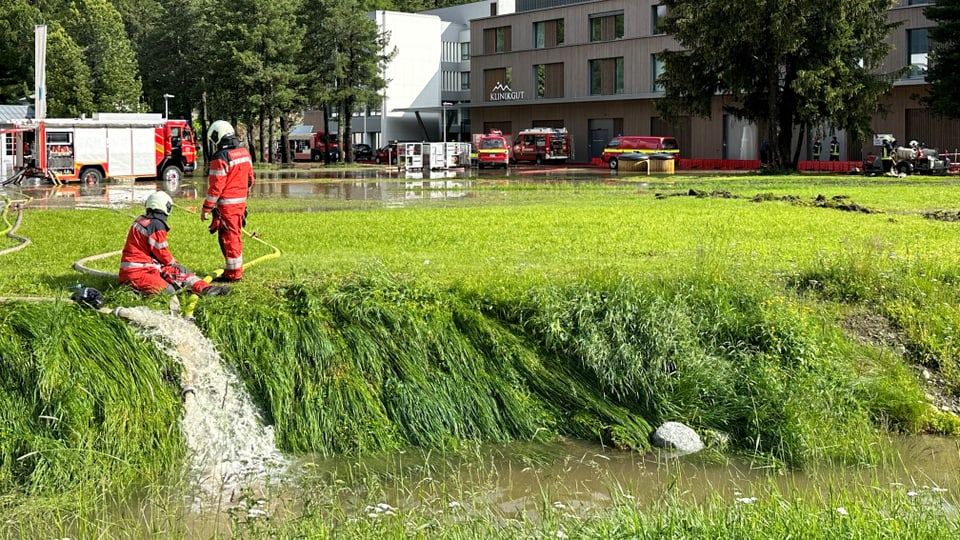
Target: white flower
(842,511)
(426,261)
(746,500)
(561,534)
(384,507)
(255,513)
(911,493)
(453,504)
(559,505)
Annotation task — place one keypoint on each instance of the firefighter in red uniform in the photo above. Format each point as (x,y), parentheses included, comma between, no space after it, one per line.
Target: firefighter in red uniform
(147,264)
(231,175)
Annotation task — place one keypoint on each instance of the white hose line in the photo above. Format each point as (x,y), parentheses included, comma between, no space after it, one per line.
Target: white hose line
(79,266)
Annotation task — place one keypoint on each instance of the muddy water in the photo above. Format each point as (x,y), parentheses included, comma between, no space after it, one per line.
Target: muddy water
(578,475)
(375,186)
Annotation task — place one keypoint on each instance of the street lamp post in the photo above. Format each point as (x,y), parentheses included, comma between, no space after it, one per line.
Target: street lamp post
(443,122)
(166,108)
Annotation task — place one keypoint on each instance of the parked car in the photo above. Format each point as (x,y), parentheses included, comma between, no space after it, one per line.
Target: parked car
(387,154)
(362,152)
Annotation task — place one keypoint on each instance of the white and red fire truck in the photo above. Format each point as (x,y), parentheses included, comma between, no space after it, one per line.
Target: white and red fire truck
(542,145)
(107,145)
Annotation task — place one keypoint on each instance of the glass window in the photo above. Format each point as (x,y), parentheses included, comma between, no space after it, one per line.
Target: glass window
(606,27)
(464,51)
(656,63)
(547,33)
(464,80)
(657,13)
(549,79)
(917,47)
(606,76)
(496,40)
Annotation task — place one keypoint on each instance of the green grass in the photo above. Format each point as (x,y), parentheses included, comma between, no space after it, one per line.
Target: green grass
(526,311)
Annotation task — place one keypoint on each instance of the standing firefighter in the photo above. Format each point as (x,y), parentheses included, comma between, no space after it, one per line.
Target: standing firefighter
(231,175)
(816,149)
(147,264)
(834,149)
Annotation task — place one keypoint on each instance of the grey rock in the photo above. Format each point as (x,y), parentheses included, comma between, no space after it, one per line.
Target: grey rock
(674,435)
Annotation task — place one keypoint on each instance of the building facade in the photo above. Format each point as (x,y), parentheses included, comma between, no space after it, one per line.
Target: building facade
(591,67)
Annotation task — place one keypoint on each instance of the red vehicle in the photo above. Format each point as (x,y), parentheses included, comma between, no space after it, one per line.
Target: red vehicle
(493,149)
(639,144)
(541,145)
(109,145)
(308,145)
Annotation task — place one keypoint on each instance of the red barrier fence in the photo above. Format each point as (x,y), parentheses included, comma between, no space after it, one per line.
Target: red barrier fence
(693,164)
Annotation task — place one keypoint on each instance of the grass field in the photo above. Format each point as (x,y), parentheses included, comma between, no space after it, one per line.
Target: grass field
(785,318)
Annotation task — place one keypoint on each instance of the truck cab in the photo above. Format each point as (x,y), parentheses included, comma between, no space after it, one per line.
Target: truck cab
(493,150)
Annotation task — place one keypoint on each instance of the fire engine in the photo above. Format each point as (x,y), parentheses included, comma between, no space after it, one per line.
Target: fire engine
(107,145)
(541,145)
(308,145)
(492,149)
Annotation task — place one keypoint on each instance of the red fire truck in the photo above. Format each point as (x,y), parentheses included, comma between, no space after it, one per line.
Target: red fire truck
(541,145)
(107,145)
(491,149)
(308,145)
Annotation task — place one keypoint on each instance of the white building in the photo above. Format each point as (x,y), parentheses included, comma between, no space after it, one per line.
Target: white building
(429,76)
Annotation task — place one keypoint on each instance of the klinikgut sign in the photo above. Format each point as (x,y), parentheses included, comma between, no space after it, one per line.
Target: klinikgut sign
(503,92)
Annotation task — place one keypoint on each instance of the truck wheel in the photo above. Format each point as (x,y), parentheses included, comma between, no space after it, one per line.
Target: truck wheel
(316,156)
(903,168)
(172,174)
(91,176)
(614,164)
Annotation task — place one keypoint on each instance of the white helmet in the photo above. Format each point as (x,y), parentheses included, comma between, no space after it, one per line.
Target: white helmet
(160,201)
(914,144)
(219,130)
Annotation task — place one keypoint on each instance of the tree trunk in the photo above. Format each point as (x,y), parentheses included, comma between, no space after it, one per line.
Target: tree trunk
(262,141)
(326,132)
(347,130)
(284,148)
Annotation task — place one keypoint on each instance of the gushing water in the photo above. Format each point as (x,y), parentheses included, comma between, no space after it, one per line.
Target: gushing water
(230,448)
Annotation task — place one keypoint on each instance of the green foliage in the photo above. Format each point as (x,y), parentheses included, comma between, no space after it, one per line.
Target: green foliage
(944,81)
(82,401)
(786,65)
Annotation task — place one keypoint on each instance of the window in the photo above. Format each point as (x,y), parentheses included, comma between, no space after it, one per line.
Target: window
(547,34)
(917,52)
(917,2)
(606,27)
(657,14)
(464,51)
(606,76)
(497,40)
(464,80)
(8,144)
(656,63)
(549,79)
(496,80)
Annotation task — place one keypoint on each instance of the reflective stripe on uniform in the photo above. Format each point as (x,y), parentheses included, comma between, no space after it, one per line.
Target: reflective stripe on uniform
(237,200)
(234,264)
(243,159)
(138,265)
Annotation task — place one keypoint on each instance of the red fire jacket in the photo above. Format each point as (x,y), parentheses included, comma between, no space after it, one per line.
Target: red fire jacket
(231,175)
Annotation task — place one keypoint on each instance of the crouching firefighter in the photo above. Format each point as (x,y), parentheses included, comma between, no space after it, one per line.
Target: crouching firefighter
(230,179)
(147,264)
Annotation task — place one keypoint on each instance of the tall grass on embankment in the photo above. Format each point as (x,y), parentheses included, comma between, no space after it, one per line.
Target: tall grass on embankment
(84,403)
(373,362)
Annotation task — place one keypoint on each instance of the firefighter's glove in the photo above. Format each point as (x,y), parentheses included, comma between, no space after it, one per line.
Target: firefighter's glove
(215,224)
(216,290)
(204,215)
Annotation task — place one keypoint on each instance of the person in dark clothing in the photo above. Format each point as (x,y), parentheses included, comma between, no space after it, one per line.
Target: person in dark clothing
(816,149)
(834,149)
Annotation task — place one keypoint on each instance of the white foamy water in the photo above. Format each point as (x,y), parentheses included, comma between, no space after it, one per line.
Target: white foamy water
(230,448)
